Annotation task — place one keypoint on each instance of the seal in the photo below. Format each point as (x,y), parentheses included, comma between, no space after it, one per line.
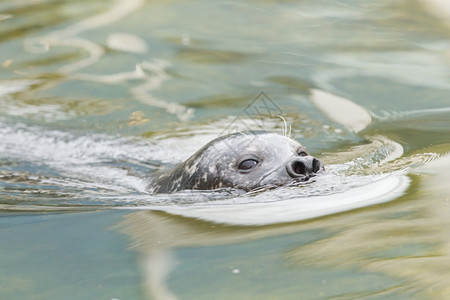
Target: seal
(245,161)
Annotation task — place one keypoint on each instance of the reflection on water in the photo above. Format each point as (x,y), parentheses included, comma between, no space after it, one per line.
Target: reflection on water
(95,96)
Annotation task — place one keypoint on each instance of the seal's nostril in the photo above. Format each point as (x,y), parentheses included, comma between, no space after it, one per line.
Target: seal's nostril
(299,168)
(316,165)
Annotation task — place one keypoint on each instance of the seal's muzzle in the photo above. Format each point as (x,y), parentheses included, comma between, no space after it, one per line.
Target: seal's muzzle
(303,166)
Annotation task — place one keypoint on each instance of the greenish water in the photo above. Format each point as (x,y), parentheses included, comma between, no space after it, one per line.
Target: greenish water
(96,95)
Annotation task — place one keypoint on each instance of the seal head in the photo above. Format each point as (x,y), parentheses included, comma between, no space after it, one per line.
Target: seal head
(245,161)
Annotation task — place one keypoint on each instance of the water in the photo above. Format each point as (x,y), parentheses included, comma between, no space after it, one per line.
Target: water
(95,96)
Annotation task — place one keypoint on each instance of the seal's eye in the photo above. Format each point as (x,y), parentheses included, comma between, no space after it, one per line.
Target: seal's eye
(302,153)
(247,165)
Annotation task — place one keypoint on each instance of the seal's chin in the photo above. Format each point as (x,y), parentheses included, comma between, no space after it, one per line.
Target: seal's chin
(299,181)
(262,188)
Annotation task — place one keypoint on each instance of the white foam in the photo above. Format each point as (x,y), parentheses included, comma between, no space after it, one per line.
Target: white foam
(14,86)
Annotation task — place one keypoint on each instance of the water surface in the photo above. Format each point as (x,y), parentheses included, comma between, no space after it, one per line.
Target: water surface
(95,96)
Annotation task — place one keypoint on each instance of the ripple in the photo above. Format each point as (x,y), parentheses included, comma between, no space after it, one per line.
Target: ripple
(50,170)
(207,56)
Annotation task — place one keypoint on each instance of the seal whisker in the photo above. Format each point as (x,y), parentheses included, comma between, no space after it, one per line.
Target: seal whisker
(284,125)
(261,189)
